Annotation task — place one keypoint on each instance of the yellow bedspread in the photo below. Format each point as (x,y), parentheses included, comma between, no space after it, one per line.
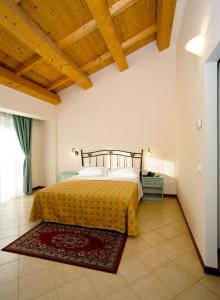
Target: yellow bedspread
(92,203)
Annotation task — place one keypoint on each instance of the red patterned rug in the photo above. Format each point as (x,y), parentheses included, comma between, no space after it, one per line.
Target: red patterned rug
(85,247)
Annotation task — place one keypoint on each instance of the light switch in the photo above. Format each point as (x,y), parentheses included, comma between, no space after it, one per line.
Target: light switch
(200,168)
(199,123)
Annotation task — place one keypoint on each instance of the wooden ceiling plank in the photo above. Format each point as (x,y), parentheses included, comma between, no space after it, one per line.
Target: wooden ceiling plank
(17,23)
(101,14)
(138,37)
(90,26)
(165,16)
(28,65)
(77,34)
(81,32)
(96,61)
(101,59)
(130,42)
(57,83)
(16,82)
(120,6)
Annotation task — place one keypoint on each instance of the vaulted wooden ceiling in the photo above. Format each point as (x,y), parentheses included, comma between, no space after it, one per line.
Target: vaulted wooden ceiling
(48,45)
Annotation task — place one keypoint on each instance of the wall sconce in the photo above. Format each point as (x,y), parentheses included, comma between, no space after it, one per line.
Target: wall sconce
(149,152)
(195,45)
(74,152)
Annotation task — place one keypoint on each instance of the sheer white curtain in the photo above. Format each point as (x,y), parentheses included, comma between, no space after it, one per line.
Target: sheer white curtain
(11,160)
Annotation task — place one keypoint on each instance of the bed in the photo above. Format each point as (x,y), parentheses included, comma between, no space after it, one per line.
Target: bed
(105,194)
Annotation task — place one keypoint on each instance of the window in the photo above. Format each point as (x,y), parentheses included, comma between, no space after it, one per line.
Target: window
(11,160)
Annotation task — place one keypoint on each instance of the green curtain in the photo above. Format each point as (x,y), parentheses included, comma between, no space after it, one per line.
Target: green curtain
(23,127)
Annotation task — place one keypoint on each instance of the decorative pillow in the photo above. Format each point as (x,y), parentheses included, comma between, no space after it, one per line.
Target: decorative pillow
(124,172)
(93,171)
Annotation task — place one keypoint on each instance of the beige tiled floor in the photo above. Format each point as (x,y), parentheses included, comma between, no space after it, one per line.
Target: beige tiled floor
(159,264)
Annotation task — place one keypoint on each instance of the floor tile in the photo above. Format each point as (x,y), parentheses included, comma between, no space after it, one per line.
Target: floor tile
(175,277)
(106,283)
(153,238)
(143,228)
(151,288)
(63,273)
(197,292)
(158,264)
(190,263)
(170,249)
(80,289)
(6,257)
(126,253)
(53,295)
(9,291)
(123,294)
(184,241)
(180,226)
(9,232)
(137,244)
(212,283)
(8,272)
(155,223)
(35,284)
(168,232)
(132,269)
(153,259)
(29,265)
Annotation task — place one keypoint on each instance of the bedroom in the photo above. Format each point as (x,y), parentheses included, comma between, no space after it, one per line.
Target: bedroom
(154,103)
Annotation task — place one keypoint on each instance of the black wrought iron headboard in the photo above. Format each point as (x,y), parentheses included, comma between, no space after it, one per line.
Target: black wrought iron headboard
(112,159)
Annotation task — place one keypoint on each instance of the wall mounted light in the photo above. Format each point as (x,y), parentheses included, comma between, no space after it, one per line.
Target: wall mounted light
(149,152)
(74,152)
(195,45)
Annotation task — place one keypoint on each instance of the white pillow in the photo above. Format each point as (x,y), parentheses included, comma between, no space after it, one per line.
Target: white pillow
(124,172)
(93,171)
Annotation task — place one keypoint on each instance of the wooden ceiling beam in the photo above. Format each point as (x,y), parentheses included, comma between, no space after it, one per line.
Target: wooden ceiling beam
(28,65)
(101,14)
(101,59)
(90,26)
(76,35)
(16,22)
(125,45)
(57,83)
(16,82)
(165,16)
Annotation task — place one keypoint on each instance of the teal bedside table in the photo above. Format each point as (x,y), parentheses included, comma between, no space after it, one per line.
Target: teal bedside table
(152,187)
(66,175)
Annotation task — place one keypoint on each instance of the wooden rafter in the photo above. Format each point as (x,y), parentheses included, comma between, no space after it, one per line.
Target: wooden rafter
(101,14)
(140,36)
(17,23)
(26,86)
(57,83)
(101,59)
(90,26)
(28,66)
(165,16)
(81,32)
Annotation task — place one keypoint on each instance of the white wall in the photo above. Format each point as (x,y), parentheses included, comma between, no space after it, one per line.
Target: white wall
(44,143)
(129,110)
(196,98)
